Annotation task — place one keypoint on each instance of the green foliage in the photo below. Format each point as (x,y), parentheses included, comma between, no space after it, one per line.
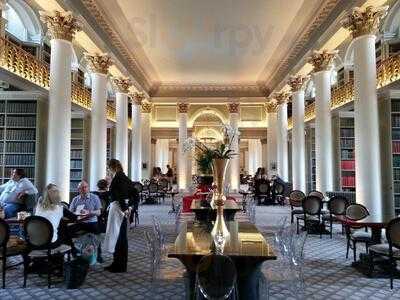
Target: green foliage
(204,161)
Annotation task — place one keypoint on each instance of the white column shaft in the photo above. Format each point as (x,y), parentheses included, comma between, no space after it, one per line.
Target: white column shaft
(59,129)
(136,163)
(272,144)
(98,130)
(323,131)
(121,145)
(182,156)
(282,142)
(298,142)
(146,144)
(234,175)
(366,126)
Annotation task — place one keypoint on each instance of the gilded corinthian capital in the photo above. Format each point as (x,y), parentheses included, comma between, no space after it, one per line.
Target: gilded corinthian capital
(61,25)
(282,97)
(322,60)
(146,107)
(364,21)
(183,107)
(122,84)
(297,83)
(233,107)
(137,98)
(98,62)
(271,106)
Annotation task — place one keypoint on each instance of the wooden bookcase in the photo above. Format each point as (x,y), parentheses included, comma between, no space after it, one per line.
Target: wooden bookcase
(77,152)
(347,172)
(310,158)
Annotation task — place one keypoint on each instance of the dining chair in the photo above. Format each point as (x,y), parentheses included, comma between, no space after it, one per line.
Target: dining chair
(216,278)
(38,235)
(312,206)
(296,198)
(154,255)
(337,207)
(391,249)
(287,270)
(316,194)
(279,189)
(160,236)
(138,186)
(8,250)
(263,191)
(354,235)
(282,222)
(163,184)
(153,191)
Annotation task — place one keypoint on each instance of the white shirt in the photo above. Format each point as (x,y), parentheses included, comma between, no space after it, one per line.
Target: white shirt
(10,190)
(53,215)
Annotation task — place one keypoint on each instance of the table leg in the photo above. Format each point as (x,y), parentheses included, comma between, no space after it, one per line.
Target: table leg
(248,285)
(376,235)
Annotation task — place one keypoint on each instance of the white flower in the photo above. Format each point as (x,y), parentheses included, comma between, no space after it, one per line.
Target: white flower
(229,131)
(189,145)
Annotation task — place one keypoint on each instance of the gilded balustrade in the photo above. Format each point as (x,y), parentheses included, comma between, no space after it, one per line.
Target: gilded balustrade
(16,60)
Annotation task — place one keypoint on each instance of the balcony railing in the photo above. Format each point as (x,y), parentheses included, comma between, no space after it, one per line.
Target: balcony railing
(387,73)
(16,60)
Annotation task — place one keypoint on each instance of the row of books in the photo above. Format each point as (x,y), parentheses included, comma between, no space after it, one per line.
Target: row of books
(17,121)
(396,147)
(347,132)
(347,122)
(395,134)
(29,171)
(396,187)
(396,174)
(349,181)
(2,106)
(17,160)
(76,164)
(395,106)
(76,154)
(21,134)
(21,107)
(347,155)
(347,143)
(397,202)
(395,120)
(1,120)
(73,185)
(20,147)
(76,174)
(76,123)
(396,161)
(348,164)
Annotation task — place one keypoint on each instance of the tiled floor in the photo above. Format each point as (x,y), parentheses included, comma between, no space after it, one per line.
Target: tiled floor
(328,274)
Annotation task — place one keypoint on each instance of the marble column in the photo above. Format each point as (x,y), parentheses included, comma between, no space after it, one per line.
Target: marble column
(234,169)
(98,65)
(121,126)
(322,63)
(281,136)
(146,139)
(3,22)
(272,108)
(136,160)
(182,156)
(296,84)
(363,24)
(62,27)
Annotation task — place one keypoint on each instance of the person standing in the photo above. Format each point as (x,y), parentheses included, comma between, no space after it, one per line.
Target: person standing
(123,196)
(13,191)
(170,176)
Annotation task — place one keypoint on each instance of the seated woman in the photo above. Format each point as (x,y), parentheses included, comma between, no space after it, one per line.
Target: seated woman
(49,206)
(105,198)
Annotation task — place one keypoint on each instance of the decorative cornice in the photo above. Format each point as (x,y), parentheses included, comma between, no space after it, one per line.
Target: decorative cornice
(364,21)
(99,16)
(282,97)
(271,106)
(122,84)
(327,7)
(61,25)
(146,107)
(98,62)
(297,83)
(322,60)
(183,107)
(137,98)
(233,107)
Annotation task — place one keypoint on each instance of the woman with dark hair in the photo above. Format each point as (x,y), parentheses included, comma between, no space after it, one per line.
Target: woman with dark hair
(123,195)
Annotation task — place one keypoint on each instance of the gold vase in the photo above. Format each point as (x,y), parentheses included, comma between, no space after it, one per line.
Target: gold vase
(219,232)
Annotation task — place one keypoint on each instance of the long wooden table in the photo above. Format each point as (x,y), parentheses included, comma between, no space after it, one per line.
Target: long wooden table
(247,248)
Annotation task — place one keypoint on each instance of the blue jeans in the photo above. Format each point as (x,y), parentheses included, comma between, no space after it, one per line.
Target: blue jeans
(11,209)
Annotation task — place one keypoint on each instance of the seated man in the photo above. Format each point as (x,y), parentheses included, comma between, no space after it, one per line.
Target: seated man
(88,205)
(13,192)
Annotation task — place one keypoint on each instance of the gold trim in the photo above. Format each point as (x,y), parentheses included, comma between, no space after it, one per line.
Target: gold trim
(233,108)
(146,107)
(182,107)
(61,25)
(364,21)
(137,98)
(98,62)
(123,84)
(271,106)
(322,60)
(282,97)
(297,83)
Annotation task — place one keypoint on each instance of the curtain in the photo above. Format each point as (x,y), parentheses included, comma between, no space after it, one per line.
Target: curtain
(162,154)
(254,156)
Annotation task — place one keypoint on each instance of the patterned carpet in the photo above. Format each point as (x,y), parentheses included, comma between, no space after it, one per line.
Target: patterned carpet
(328,274)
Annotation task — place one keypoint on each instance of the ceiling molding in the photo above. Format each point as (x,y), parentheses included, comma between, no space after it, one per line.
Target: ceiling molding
(99,16)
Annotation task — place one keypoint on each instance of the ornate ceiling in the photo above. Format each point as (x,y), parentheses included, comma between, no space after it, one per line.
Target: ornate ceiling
(230,48)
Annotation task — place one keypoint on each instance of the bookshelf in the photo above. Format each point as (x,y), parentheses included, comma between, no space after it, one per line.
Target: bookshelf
(310,154)
(77,152)
(19,135)
(109,143)
(395,128)
(346,148)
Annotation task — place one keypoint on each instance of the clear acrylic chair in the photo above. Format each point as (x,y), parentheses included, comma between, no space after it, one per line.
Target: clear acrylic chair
(159,235)
(288,270)
(278,234)
(251,211)
(154,255)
